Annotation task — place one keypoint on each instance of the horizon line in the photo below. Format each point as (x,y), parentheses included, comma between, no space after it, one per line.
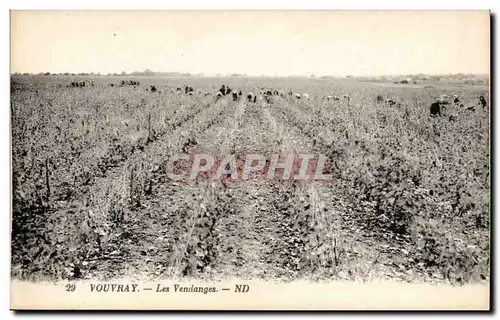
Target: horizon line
(236,74)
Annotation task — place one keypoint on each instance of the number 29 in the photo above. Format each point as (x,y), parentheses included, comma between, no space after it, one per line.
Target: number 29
(70,287)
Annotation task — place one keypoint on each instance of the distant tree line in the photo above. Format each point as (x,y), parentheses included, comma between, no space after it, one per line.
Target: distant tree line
(466,78)
(56,74)
(144,73)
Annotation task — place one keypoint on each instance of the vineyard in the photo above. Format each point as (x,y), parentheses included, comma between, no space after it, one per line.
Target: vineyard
(409,199)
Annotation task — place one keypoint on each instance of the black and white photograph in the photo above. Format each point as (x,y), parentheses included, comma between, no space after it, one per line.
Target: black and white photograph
(162,157)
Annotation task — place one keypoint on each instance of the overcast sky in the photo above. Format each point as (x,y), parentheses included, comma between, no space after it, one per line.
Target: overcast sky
(335,43)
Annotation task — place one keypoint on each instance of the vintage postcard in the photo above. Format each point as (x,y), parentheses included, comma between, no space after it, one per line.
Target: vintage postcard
(250,160)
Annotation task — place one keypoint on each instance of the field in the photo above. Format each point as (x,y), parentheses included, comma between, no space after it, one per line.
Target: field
(409,199)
